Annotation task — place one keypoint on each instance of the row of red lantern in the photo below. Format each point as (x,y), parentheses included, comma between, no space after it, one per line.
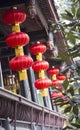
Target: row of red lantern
(21,62)
(40,66)
(17,40)
(57,80)
(55,95)
(56,77)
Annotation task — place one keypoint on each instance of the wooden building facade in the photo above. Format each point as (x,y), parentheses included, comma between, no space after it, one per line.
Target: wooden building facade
(27,109)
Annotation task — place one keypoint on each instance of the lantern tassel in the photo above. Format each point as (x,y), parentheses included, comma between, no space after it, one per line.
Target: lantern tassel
(16,27)
(19,51)
(44,92)
(23,75)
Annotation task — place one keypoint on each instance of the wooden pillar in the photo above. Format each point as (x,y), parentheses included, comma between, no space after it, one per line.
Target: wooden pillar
(33,91)
(1,77)
(24,88)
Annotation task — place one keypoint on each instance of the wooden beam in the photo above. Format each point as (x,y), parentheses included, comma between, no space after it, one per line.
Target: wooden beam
(8,3)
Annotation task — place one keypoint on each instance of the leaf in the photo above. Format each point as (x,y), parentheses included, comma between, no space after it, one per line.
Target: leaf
(76,125)
(73,10)
(71,37)
(75,110)
(71,91)
(65,84)
(78,13)
(58,101)
(71,117)
(64,16)
(69,14)
(78,120)
(67,109)
(67,127)
(64,55)
(63,104)
(76,55)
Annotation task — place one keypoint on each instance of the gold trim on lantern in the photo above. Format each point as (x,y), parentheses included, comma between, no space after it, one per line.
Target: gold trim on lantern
(39,57)
(44,92)
(14,7)
(16,27)
(19,51)
(23,74)
(41,74)
(54,77)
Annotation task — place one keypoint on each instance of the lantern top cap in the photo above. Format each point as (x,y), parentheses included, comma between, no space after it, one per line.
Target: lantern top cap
(38,42)
(14,7)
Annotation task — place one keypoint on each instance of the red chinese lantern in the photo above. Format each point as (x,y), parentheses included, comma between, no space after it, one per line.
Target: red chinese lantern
(17,39)
(42,83)
(37,48)
(59,88)
(57,95)
(52,71)
(20,62)
(40,65)
(14,16)
(56,82)
(61,77)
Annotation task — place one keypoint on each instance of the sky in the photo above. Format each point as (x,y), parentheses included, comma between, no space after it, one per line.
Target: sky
(61,5)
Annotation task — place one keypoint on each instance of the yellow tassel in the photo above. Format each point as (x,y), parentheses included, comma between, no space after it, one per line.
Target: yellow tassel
(19,51)
(44,92)
(54,77)
(39,56)
(41,74)
(23,74)
(13,89)
(16,27)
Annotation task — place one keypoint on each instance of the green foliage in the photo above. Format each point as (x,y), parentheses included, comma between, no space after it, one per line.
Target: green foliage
(71,31)
(75,110)
(71,38)
(76,125)
(66,84)
(64,56)
(71,91)
(73,9)
(68,128)
(71,117)
(78,13)
(67,109)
